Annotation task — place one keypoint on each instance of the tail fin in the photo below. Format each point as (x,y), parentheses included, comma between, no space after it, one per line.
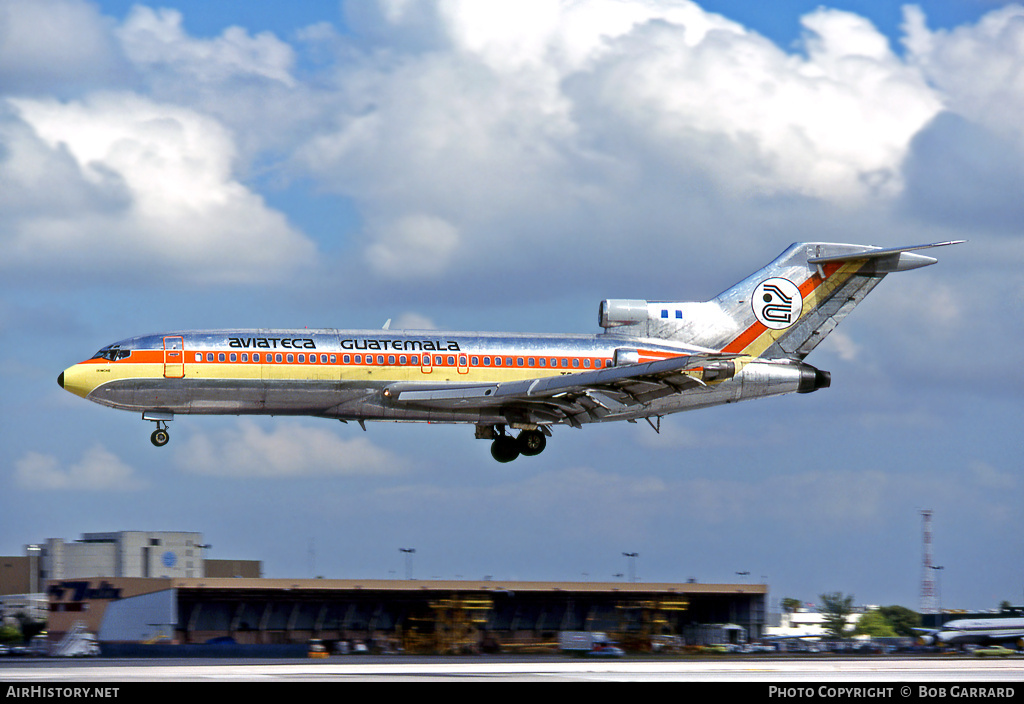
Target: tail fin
(782,311)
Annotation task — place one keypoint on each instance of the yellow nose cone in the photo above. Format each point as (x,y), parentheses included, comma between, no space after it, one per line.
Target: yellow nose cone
(77,380)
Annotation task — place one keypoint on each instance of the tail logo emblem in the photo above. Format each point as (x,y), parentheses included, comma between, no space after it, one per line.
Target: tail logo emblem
(777,303)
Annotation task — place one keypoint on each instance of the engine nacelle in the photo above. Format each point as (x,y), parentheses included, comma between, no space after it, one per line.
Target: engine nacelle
(618,312)
(626,356)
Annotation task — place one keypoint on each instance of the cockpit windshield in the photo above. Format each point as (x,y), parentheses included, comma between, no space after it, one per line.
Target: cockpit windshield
(112,353)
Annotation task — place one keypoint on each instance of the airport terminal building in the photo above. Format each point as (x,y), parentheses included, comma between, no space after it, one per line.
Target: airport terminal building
(129,615)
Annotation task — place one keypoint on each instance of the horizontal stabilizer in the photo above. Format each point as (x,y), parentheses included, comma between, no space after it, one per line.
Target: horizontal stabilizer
(902,259)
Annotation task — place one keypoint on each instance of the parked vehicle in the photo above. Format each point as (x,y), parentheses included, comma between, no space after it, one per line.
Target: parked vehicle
(39,646)
(994,651)
(590,643)
(603,650)
(77,643)
(581,641)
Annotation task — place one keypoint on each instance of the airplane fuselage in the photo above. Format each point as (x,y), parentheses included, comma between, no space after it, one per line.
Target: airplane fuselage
(653,358)
(981,630)
(344,373)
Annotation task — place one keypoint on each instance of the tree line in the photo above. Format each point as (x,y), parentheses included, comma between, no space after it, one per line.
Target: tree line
(885,621)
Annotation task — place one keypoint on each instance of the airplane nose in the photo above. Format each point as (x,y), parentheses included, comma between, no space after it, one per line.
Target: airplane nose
(77,380)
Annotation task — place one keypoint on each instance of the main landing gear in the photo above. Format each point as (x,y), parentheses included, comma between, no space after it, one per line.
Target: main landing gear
(506,448)
(160,436)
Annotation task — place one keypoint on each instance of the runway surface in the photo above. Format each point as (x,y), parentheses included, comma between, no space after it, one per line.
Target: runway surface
(930,670)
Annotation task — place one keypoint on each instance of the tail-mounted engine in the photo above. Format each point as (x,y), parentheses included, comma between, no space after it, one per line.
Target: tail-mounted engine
(615,313)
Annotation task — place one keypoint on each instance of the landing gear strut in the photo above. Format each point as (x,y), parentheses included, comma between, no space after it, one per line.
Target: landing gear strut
(505,448)
(160,436)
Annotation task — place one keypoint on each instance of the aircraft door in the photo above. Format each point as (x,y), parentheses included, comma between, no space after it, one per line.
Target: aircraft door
(174,357)
(426,363)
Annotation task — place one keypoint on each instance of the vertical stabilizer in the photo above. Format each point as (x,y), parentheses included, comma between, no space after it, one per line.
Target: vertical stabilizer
(782,311)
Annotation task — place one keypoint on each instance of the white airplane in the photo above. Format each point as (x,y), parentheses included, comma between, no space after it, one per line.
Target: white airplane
(978,631)
(653,358)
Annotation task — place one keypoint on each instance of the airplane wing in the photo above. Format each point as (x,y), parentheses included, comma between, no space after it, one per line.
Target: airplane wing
(573,397)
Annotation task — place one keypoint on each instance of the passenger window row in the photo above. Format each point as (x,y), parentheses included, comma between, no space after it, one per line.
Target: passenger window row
(267,358)
(405,360)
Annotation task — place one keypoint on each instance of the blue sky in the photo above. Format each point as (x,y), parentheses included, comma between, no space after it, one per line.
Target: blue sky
(506,166)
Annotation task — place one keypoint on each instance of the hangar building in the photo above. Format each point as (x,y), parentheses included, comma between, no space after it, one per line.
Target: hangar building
(181,614)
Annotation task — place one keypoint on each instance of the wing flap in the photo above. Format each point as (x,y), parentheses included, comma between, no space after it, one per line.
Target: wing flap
(450,394)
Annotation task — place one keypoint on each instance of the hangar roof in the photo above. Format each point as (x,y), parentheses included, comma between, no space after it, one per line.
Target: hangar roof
(465,585)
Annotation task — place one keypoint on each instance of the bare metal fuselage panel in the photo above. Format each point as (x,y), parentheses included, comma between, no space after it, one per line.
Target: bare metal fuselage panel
(413,376)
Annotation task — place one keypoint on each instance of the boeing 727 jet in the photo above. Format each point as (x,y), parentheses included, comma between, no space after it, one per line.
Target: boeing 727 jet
(653,359)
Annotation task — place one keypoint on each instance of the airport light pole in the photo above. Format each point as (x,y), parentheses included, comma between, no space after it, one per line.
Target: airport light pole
(33,551)
(938,572)
(632,564)
(409,552)
(750,612)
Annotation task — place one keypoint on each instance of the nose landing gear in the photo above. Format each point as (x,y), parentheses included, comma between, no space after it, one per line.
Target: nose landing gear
(160,436)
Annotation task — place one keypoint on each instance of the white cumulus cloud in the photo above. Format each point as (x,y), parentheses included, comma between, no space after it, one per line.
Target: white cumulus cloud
(98,470)
(55,45)
(156,38)
(415,245)
(170,197)
(833,124)
(560,127)
(287,450)
(978,67)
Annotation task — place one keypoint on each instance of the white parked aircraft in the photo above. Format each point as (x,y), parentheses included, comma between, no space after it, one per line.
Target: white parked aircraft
(977,631)
(653,358)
